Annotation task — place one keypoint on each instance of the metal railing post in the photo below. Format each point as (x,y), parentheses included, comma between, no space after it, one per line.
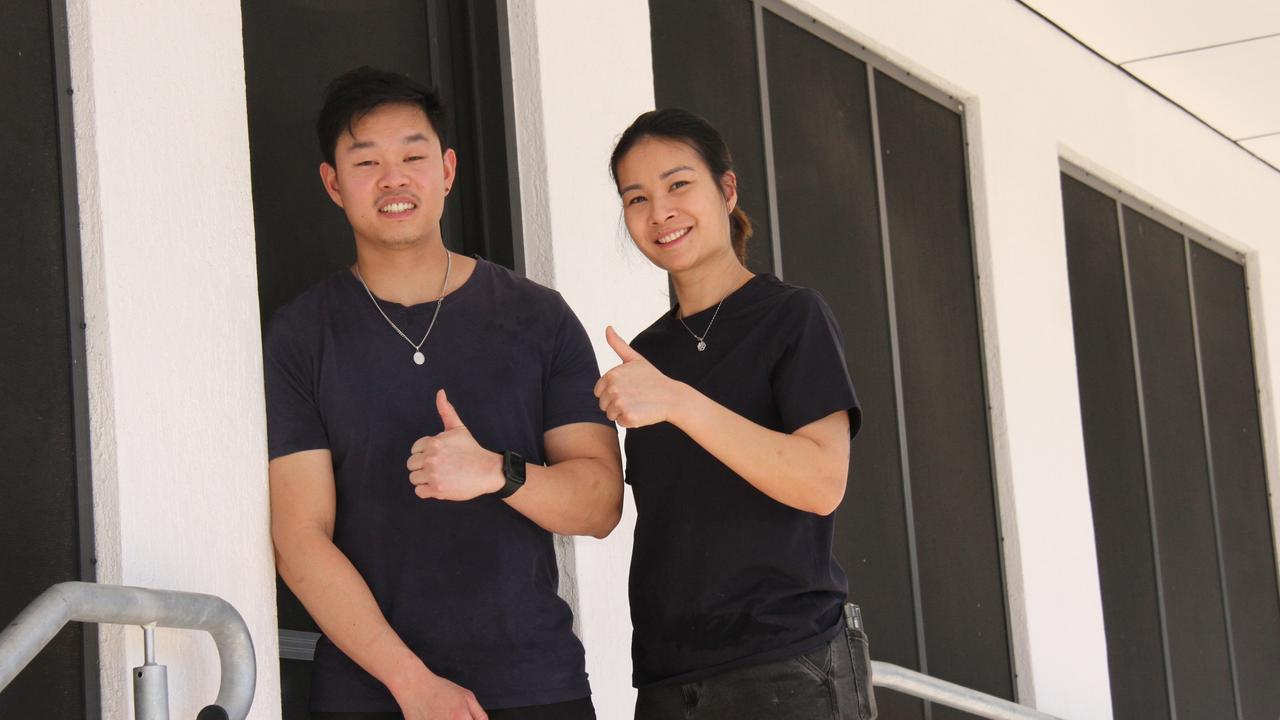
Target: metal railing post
(150,682)
(89,602)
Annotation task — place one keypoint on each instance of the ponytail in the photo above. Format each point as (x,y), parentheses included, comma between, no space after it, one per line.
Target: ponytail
(739,232)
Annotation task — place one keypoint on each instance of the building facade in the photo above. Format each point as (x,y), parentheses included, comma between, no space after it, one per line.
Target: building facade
(178,216)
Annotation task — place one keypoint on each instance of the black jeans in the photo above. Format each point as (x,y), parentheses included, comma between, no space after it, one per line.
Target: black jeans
(572,710)
(819,685)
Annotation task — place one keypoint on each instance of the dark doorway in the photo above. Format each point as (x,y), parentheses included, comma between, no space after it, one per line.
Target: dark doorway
(857,177)
(46,533)
(293,48)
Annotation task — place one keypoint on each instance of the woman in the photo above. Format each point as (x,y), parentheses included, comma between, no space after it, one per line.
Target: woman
(740,412)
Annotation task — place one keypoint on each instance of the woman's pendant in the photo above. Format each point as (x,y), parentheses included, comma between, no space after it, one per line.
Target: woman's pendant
(702,345)
(419,358)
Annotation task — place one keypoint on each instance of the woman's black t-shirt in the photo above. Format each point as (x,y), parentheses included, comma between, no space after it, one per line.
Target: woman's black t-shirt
(722,576)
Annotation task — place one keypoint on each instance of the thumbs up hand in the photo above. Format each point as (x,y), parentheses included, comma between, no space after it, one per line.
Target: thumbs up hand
(620,346)
(452,465)
(635,393)
(448,414)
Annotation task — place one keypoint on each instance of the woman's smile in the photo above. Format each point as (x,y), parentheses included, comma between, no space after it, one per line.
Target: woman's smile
(674,236)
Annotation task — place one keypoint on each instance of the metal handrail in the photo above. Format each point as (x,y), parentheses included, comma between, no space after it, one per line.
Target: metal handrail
(90,602)
(893,677)
(68,602)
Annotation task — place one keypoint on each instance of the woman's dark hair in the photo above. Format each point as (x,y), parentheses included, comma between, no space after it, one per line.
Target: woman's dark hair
(359,92)
(683,126)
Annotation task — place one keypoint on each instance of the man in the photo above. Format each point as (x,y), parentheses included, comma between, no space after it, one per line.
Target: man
(403,395)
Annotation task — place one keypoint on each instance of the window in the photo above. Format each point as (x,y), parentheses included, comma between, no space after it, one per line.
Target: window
(855,176)
(1173,444)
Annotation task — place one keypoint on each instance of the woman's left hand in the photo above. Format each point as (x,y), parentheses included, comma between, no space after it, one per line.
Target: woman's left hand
(635,393)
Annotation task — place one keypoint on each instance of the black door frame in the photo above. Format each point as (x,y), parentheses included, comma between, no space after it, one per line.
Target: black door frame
(76,326)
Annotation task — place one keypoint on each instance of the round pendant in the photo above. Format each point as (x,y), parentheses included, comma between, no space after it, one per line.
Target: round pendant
(419,358)
(702,345)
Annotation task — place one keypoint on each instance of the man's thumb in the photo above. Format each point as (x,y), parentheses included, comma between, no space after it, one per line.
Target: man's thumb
(447,414)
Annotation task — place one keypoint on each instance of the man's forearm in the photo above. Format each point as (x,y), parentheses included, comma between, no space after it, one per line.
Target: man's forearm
(340,602)
(581,496)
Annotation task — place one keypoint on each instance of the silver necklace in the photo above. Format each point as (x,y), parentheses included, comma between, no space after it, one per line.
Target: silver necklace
(418,357)
(702,342)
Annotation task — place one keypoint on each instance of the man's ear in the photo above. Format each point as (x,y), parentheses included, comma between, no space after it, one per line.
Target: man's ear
(450,160)
(329,178)
(729,188)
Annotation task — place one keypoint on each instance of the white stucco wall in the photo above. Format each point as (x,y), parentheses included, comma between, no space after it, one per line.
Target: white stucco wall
(567,62)
(175,381)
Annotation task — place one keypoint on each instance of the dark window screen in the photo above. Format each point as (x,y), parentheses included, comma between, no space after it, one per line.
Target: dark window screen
(302,236)
(829,218)
(39,534)
(1113,451)
(944,398)
(695,39)
(1183,535)
(1248,546)
(1184,529)
(917,535)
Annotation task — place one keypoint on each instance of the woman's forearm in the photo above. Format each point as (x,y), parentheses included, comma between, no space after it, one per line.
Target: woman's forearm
(806,470)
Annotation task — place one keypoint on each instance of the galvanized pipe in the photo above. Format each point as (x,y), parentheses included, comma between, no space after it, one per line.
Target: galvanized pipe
(149,644)
(909,682)
(150,682)
(151,692)
(94,603)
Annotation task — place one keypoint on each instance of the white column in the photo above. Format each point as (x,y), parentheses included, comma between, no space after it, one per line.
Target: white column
(582,72)
(175,379)
(1054,596)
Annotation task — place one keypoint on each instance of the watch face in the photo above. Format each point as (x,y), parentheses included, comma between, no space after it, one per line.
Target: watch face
(513,471)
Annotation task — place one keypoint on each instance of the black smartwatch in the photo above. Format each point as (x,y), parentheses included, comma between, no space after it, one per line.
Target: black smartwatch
(513,471)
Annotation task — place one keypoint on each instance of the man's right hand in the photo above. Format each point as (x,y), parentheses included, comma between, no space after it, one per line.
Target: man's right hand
(439,699)
(303,509)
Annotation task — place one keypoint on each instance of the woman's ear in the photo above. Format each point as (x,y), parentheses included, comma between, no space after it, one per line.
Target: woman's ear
(729,189)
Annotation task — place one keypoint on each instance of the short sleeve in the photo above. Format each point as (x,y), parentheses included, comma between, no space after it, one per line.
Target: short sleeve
(293,414)
(811,378)
(569,395)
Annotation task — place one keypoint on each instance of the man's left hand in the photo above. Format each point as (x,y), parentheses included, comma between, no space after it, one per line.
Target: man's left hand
(452,465)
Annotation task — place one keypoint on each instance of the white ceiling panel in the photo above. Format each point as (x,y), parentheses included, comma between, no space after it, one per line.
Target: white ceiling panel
(1125,30)
(1236,88)
(1267,148)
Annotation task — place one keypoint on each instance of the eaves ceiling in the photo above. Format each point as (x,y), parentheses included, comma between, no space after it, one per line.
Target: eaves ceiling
(1219,60)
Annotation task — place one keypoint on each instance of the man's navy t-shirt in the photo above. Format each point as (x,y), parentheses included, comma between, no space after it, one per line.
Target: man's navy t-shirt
(723,576)
(469,586)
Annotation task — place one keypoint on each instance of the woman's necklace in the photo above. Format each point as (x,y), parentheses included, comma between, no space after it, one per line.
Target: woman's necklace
(418,357)
(702,341)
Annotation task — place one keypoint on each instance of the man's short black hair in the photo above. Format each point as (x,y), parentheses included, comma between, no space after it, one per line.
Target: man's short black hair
(358,92)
